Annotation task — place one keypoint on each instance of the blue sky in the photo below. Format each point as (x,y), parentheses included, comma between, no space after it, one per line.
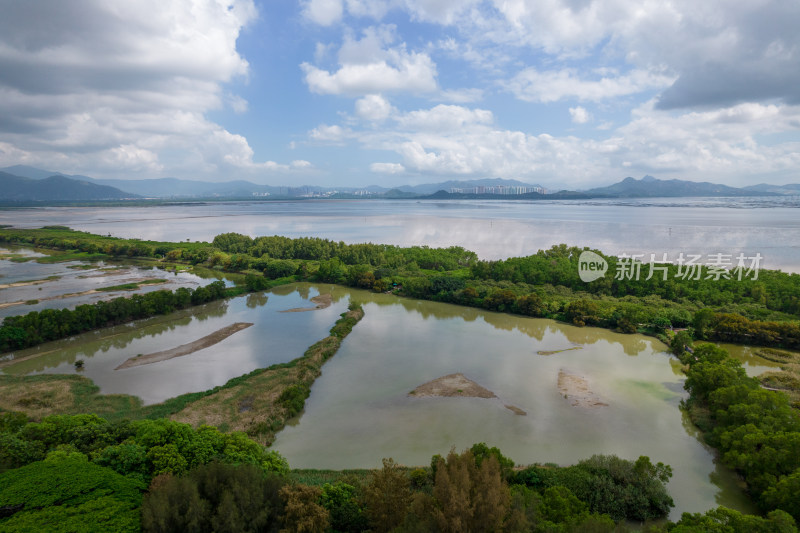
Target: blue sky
(563,93)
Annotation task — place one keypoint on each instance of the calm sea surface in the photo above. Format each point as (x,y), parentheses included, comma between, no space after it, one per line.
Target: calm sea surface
(493,229)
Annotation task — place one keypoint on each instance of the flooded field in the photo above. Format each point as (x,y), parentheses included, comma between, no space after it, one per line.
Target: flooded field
(275,337)
(361,410)
(753,363)
(27,285)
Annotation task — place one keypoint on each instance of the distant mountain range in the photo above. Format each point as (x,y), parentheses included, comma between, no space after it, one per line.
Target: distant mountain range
(55,188)
(23,183)
(650,187)
(160,187)
(792,189)
(184,189)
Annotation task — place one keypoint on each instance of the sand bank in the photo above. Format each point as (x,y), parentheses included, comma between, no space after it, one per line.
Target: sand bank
(185,349)
(25,283)
(323,301)
(576,389)
(552,352)
(457,385)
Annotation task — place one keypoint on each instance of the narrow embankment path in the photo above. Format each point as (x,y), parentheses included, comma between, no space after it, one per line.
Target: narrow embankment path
(261,402)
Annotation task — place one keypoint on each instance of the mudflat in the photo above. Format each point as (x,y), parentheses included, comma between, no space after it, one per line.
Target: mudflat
(458,385)
(452,385)
(323,301)
(186,349)
(576,389)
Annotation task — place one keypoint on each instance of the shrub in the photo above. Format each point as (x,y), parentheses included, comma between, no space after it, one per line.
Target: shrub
(293,398)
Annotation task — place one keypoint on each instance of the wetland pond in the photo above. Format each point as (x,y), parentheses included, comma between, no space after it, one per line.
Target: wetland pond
(274,337)
(360,409)
(554,392)
(29,285)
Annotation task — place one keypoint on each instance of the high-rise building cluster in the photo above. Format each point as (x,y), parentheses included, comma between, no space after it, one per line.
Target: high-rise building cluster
(497,189)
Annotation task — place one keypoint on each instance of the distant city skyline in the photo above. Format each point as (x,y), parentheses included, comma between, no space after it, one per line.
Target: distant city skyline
(568,94)
(499,189)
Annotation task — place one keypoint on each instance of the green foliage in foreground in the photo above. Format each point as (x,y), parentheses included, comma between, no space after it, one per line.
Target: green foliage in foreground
(140,449)
(723,520)
(83,473)
(90,475)
(482,492)
(610,485)
(66,492)
(214,497)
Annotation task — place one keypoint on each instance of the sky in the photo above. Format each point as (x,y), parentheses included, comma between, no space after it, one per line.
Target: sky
(561,93)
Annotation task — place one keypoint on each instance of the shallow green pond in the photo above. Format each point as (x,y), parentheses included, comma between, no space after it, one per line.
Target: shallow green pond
(360,410)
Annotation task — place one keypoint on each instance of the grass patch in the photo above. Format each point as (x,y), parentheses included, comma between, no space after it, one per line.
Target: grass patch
(780,380)
(778,356)
(63,257)
(42,395)
(132,286)
(787,380)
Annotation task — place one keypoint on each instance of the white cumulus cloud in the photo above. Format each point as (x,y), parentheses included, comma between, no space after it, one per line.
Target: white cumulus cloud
(323,12)
(329,134)
(373,107)
(371,65)
(123,88)
(718,145)
(444,118)
(532,85)
(387,168)
(579,115)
